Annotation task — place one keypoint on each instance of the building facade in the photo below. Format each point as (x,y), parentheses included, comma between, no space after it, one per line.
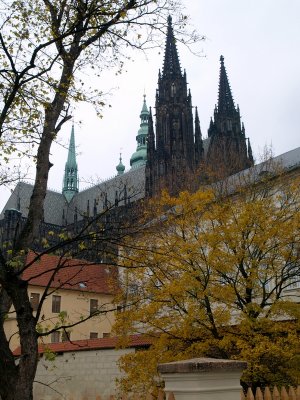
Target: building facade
(79,292)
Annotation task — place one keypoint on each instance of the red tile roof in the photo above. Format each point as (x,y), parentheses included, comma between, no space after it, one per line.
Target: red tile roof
(90,344)
(70,274)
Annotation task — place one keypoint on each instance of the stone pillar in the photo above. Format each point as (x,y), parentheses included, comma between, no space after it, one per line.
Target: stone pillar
(203,379)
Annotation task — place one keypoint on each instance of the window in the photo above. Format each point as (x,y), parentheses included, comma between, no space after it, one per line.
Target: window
(56,300)
(55,337)
(106,334)
(65,336)
(93,335)
(93,306)
(34,300)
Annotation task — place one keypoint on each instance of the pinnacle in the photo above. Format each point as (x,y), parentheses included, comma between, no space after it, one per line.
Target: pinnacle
(144,108)
(70,186)
(171,59)
(225,102)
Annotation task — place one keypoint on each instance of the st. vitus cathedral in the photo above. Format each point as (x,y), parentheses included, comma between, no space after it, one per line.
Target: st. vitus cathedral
(170,153)
(176,150)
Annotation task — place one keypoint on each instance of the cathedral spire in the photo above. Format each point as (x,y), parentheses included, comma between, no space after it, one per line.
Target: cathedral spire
(139,157)
(151,138)
(227,148)
(198,139)
(171,155)
(250,154)
(225,101)
(70,185)
(171,62)
(150,178)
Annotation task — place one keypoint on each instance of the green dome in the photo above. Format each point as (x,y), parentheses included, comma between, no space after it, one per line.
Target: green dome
(139,157)
(120,167)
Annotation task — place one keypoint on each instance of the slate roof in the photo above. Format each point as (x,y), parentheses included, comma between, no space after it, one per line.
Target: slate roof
(134,180)
(284,162)
(54,203)
(287,161)
(89,344)
(290,159)
(73,274)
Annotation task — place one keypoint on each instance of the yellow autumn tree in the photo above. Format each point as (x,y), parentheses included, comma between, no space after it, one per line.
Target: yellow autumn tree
(216,273)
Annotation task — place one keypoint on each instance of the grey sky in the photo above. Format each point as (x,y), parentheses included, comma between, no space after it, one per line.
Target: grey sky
(260,40)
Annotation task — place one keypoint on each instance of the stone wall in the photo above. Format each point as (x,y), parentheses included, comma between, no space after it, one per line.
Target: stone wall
(80,375)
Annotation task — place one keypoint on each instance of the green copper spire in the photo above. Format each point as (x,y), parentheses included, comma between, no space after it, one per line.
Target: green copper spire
(70,186)
(140,156)
(120,167)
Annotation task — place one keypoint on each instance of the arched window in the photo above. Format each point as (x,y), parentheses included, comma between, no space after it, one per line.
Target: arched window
(173,89)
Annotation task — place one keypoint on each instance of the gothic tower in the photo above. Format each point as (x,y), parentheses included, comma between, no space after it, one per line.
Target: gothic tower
(173,153)
(229,150)
(70,185)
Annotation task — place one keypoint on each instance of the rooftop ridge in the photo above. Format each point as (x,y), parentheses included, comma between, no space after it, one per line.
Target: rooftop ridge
(106,180)
(31,184)
(90,344)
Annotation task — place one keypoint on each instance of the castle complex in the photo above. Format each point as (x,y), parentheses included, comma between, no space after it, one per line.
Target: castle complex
(170,148)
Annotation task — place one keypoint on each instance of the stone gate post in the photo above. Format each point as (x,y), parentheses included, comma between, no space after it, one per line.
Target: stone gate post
(203,379)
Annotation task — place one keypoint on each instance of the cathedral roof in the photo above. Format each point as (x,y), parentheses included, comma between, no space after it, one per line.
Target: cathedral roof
(55,202)
(131,182)
(134,180)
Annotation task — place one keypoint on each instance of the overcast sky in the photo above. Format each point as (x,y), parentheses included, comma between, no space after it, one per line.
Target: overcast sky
(260,40)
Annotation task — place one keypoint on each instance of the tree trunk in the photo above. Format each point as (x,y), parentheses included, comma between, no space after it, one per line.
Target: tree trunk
(17,375)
